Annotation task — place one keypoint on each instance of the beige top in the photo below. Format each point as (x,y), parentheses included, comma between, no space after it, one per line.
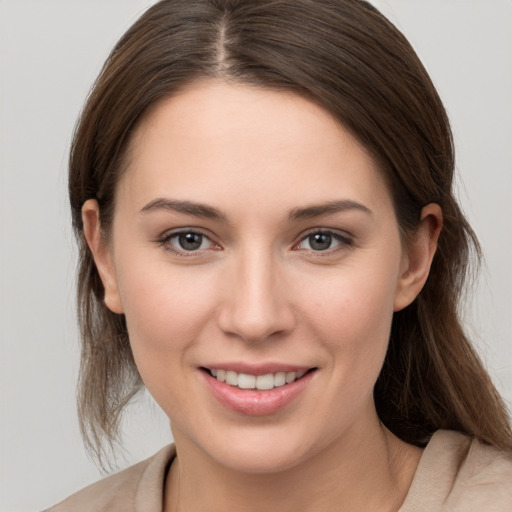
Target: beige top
(455,474)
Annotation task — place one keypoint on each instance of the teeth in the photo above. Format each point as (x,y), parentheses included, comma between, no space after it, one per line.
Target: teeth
(246,381)
(261,382)
(232,378)
(290,377)
(279,379)
(264,382)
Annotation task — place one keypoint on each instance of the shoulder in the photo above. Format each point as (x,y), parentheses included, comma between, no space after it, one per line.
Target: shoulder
(139,487)
(460,474)
(483,481)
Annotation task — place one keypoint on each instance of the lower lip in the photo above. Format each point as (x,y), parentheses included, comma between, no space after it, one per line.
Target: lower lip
(254,402)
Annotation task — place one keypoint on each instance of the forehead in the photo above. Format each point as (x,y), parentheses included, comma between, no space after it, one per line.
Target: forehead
(214,140)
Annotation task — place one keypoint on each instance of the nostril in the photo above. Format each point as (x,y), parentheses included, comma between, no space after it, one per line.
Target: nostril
(257,315)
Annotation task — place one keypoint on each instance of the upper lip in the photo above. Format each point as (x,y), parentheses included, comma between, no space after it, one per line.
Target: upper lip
(257,369)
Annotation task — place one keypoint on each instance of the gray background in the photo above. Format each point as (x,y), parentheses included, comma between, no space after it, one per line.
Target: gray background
(50,53)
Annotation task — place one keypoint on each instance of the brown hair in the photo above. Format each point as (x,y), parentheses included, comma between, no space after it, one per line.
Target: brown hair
(344,55)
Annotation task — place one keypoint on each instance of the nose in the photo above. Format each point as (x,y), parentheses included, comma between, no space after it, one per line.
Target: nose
(256,305)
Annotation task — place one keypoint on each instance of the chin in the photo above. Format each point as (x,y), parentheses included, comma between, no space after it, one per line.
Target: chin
(263,450)
(257,459)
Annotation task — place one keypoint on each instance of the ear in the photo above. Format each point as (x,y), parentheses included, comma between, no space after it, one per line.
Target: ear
(418,257)
(102,255)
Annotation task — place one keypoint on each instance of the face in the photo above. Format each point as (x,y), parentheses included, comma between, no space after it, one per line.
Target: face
(254,240)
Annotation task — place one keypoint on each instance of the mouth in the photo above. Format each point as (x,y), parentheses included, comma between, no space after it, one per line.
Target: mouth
(266,382)
(257,391)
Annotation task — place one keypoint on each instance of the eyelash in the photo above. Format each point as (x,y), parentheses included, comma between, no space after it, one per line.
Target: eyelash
(166,241)
(344,241)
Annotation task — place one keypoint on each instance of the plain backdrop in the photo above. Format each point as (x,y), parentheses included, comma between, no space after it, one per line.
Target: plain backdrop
(50,53)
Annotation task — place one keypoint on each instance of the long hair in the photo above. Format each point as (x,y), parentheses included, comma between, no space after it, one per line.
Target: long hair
(348,58)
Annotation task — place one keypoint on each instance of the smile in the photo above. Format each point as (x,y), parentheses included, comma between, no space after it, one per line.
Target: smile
(260,382)
(257,391)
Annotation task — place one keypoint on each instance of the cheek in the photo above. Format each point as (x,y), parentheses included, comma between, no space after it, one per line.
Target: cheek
(350,314)
(354,301)
(165,311)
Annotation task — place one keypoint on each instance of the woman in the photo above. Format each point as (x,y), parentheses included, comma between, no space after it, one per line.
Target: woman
(269,243)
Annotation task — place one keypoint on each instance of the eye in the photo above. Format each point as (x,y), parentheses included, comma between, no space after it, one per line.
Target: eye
(188,241)
(323,241)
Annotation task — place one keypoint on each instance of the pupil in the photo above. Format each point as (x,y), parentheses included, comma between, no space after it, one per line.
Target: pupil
(321,242)
(190,241)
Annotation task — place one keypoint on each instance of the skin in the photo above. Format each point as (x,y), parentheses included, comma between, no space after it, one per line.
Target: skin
(257,291)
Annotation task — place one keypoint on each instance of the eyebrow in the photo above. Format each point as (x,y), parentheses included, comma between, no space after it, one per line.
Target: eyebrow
(328,208)
(186,207)
(209,212)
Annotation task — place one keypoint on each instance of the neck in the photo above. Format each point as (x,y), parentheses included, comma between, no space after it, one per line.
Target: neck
(367,469)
